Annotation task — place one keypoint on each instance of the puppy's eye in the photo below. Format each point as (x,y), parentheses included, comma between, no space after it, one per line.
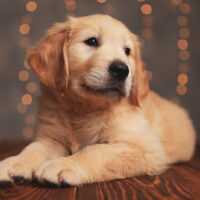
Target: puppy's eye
(92,42)
(127,51)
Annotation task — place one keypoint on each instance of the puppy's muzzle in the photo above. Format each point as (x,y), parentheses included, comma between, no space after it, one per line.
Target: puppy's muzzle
(118,71)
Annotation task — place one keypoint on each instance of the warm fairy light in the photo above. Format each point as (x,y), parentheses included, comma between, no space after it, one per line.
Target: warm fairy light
(101,1)
(70,5)
(24,29)
(181,89)
(141,0)
(147,33)
(26,19)
(182,21)
(185,8)
(146,9)
(177,2)
(31,6)
(147,20)
(183,68)
(182,44)
(184,33)
(21,108)
(182,79)
(184,55)
(31,87)
(28,132)
(23,75)
(26,99)
(24,42)
(30,119)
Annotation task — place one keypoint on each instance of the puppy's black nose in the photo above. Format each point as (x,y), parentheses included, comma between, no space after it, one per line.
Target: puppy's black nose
(119,70)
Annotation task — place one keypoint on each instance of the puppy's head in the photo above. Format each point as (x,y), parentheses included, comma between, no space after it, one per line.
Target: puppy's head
(93,56)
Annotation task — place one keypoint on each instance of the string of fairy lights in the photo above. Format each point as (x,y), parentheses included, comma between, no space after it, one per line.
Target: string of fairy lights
(183,44)
(146,32)
(23,75)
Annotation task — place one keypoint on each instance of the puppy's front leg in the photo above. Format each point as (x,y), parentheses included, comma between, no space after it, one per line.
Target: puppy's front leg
(102,162)
(22,166)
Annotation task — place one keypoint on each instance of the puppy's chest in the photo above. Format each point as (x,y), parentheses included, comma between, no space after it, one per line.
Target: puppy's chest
(88,129)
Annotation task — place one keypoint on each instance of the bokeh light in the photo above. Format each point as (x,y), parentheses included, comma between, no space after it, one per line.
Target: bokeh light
(31,6)
(30,119)
(70,5)
(31,87)
(23,75)
(147,33)
(184,55)
(176,2)
(101,1)
(182,79)
(182,21)
(24,29)
(21,108)
(181,89)
(26,99)
(185,8)
(184,33)
(182,44)
(28,132)
(146,9)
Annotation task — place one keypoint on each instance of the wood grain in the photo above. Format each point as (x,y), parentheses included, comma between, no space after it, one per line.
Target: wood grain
(181,181)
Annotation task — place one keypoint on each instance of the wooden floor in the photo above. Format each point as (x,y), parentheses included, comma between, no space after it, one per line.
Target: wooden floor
(182,181)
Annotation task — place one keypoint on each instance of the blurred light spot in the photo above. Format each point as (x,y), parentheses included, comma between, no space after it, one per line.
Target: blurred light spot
(184,33)
(184,55)
(182,79)
(176,100)
(146,9)
(101,1)
(182,21)
(31,87)
(182,44)
(149,75)
(26,65)
(31,6)
(23,75)
(24,29)
(181,89)
(177,2)
(70,5)
(24,42)
(26,99)
(28,132)
(21,108)
(185,8)
(183,68)
(30,119)
(141,0)
(147,33)
(147,20)
(26,19)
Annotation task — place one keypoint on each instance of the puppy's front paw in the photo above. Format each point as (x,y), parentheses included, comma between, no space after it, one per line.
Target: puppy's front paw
(15,170)
(62,172)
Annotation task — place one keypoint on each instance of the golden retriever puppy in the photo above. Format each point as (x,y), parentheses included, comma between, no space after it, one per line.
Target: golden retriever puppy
(97,118)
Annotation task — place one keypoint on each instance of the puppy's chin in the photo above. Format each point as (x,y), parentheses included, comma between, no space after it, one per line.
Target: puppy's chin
(114,92)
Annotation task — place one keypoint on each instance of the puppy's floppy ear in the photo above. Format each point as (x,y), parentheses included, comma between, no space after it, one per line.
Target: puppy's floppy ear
(49,59)
(140,85)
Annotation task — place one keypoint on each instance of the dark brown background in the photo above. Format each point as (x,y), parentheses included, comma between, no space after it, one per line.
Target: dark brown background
(161,51)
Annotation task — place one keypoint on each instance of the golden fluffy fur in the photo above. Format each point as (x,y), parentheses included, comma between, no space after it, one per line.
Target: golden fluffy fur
(90,128)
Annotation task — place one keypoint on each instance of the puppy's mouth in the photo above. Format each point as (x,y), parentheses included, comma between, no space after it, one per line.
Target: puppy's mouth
(109,92)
